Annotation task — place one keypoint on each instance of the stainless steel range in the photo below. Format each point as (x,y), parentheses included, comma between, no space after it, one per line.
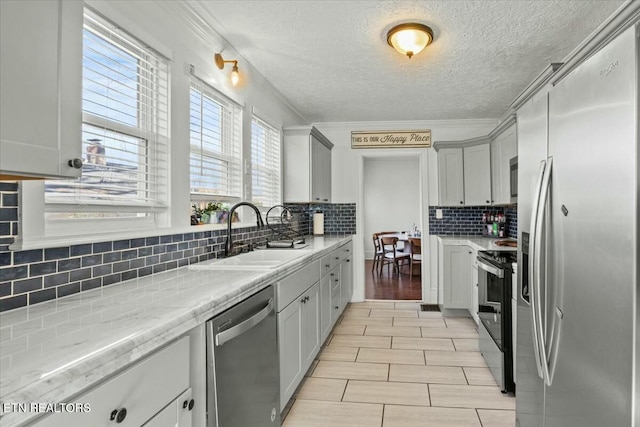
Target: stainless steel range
(495,313)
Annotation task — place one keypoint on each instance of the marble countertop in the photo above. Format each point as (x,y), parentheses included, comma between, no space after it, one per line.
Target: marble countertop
(52,351)
(479,243)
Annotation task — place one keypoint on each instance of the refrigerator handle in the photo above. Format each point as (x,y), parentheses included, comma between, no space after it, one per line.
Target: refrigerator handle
(532,267)
(539,272)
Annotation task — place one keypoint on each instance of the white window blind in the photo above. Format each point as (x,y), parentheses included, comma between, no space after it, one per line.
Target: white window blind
(125,88)
(216,143)
(266,160)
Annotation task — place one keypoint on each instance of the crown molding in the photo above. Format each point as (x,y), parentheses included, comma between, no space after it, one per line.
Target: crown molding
(505,124)
(406,124)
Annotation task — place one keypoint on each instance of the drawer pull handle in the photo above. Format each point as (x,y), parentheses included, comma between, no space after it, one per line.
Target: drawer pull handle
(337,257)
(188,404)
(327,265)
(118,415)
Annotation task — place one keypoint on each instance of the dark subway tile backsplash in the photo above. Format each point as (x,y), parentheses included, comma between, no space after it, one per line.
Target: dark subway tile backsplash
(32,276)
(467,220)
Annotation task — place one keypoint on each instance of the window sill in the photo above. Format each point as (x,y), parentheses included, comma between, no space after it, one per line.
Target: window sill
(62,241)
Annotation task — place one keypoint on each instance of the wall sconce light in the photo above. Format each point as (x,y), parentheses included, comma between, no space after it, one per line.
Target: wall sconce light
(410,38)
(235,76)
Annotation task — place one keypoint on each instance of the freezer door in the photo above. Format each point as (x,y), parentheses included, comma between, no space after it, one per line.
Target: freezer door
(591,240)
(532,148)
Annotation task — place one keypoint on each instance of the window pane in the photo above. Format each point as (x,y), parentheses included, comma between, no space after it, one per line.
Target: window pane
(215,141)
(265,164)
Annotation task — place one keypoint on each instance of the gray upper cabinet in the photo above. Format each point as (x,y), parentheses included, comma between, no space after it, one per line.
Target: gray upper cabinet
(450,177)
(464,172)
(41,86)
(503,149)
(477,175)
(307,165)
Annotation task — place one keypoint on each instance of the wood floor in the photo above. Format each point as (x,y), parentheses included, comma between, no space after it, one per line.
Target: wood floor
(391,286)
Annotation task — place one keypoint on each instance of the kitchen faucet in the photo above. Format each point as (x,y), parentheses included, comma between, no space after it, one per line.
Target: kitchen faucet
(228,246)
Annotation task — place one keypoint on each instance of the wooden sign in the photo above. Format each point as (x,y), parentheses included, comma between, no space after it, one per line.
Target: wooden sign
(392,139)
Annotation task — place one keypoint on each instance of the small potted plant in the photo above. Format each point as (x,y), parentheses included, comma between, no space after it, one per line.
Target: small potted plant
(207,214)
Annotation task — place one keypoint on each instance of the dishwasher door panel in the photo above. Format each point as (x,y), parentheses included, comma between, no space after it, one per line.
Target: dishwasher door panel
(243,366)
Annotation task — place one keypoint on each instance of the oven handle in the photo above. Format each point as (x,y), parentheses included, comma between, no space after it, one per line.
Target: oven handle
(243,327)
(498,272)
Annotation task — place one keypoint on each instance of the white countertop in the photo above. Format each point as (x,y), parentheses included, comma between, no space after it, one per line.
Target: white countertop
(478,242)
(51,351)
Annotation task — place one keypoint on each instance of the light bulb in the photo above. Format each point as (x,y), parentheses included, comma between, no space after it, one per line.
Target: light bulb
(235,76)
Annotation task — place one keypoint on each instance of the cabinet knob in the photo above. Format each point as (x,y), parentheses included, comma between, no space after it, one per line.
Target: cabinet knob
(337,280)
(327,265)
(348,260)
(337,257)
(192,403)
(75,163)
(302,301)
(461,202)
(336,307)
(325,200)
(118,415)
(488,201)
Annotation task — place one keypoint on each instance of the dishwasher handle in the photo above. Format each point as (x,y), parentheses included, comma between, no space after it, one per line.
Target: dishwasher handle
(243,327)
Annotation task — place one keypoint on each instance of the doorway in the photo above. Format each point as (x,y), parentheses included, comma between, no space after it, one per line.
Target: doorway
(391,202)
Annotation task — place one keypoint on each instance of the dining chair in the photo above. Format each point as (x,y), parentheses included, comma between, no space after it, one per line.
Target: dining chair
(392,255)
(416,253)
(378,253)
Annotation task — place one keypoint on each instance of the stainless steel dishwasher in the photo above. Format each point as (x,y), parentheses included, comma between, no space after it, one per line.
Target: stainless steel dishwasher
(243,378)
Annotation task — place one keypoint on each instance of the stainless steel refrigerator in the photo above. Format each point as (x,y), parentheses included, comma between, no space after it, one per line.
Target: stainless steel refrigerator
(578,188)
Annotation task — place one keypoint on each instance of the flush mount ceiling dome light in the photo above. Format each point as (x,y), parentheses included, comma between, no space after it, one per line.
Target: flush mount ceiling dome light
(410,38)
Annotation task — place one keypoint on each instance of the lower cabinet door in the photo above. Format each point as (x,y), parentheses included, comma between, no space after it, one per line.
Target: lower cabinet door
(325,307)
(310,325)
(290,348)
(175,414)
(346,283)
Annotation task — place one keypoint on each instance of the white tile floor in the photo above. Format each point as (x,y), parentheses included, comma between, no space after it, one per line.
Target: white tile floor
(391,365)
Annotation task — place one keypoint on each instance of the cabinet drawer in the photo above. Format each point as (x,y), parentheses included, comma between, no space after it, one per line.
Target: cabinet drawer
(345,251)
(142,390)
(295,284)
(330,261)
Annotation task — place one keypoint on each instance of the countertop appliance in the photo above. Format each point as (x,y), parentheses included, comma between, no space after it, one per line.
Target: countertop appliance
(243,371)
(494,312)
(578,349)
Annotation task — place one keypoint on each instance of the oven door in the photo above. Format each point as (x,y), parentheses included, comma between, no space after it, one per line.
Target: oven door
(491,299)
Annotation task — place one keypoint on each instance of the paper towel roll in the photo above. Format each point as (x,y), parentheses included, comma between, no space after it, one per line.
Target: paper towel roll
(318,224)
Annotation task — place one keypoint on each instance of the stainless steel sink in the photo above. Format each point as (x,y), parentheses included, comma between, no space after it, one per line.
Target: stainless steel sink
(256,260)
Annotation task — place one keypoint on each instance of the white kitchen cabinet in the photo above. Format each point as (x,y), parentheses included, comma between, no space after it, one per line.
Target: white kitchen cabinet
(456,264)
(307,165)
(477,175)
(473,289)
(41,87)
(450,177)
(135,396)
(325,307)
(503,149)
(175,414)
(298,340)
(346,282)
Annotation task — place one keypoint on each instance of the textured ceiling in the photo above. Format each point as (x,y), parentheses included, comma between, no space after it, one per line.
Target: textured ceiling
(330,59)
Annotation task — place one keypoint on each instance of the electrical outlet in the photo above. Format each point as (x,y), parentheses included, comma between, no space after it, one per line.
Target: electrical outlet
(438,213)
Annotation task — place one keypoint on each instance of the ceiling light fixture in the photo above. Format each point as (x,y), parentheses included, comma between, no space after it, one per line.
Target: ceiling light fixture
(410,38)
(235,76)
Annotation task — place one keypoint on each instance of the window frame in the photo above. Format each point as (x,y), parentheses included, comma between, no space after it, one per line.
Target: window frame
(231,117)
(267,127)
(146,212)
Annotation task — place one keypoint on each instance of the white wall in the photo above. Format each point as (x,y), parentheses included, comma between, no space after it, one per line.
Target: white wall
(391,196)
(347,181)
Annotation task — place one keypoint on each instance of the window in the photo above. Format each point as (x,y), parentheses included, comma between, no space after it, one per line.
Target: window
(216,144)
(265,163)
(124,130)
